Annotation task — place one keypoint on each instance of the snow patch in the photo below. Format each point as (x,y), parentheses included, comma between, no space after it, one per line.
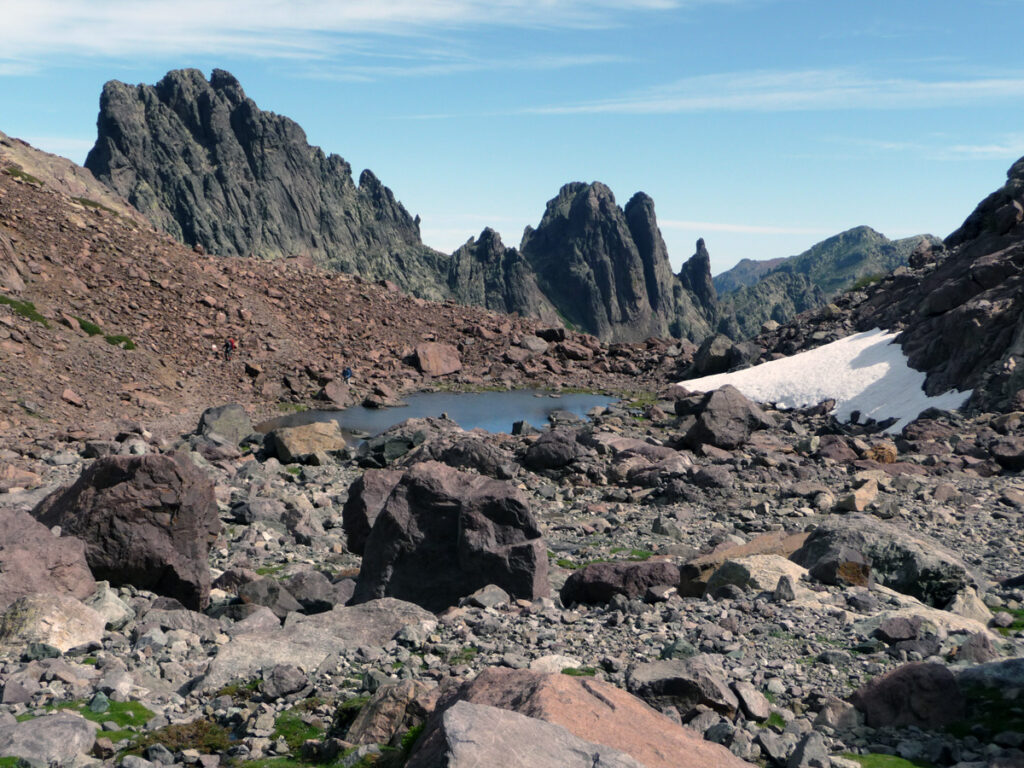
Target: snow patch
(865,372)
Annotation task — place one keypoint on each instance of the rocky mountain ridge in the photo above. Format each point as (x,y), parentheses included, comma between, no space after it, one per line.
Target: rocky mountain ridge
(206,165)
(956,305)
(753,293)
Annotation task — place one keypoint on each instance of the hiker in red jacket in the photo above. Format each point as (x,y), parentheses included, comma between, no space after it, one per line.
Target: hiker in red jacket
(229,348)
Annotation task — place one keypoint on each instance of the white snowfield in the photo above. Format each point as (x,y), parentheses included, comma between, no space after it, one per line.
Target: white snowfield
(866,372)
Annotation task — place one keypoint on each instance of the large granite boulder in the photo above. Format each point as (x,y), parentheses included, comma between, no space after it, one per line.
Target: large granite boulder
(470,735)
(436,359)
(296,444)
(443,534)
(922,695)
(554,449)
(599,582)
(62,738)
(911,563)
(147,521)
(683,684)
(308,641)
(366,497)
(56,620)
(725,419)
(592,710)
(33,560)
(230,422)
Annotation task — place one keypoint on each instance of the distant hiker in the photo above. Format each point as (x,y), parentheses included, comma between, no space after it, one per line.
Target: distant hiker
(229,348)
(346,374)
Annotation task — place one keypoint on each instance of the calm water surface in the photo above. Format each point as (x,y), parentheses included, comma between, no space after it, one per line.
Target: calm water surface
(491,411)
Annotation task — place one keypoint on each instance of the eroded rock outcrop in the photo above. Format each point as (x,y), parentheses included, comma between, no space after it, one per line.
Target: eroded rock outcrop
(607,271)
(207,165)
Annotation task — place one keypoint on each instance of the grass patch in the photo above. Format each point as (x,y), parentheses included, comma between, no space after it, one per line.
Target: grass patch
(294,730)
(579,671)
(464,655)
(17,173)
(292,407)
(866,280)
(26,309)
(204,735)
(886,761)
(269,570)
(85,201)
(774,721)
(128,715)
(635,555)
(345,715)
(9,762)
(239,689)
(88,326)
(1018,623)
(119,341)
(296,471)
(568,565)
(410,738)
(988,709)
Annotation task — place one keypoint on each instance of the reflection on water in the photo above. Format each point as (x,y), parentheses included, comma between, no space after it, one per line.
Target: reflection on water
(492,411)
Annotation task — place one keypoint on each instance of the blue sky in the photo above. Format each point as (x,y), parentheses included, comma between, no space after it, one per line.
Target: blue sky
(762,126)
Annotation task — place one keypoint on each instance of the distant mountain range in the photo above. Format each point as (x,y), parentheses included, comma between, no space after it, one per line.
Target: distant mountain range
(203,163)
(754,292)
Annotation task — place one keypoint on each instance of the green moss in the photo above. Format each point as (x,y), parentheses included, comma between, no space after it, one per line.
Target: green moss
(410,738)
(9,762)
(89,327)
(292,407)
(239,689)
(17,173)
(128,715)
(464,655)
(294,730)
(93,204)
(866,280)
(293,471)
(120,341)
(1018,623)
(26,309)
(775,720)
(269,570)
(569,565)
(987,709)
(204,735)
(886,761)
(579,671)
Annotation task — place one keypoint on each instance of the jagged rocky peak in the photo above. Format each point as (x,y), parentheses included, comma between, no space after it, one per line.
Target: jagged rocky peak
(606,269)
(207,165)
(696,276)
(486,273)
(998,218)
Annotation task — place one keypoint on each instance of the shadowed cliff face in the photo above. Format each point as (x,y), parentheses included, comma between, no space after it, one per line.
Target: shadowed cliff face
(205,164)
(486,273)
(202,162)
(606,269)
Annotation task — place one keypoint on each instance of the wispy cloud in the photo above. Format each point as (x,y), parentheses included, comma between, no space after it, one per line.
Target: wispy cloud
(800,90)
(941,147)
(46,29)
(753,229)
(443,65)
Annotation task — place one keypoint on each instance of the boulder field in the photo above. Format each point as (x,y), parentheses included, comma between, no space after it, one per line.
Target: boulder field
(604,592)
